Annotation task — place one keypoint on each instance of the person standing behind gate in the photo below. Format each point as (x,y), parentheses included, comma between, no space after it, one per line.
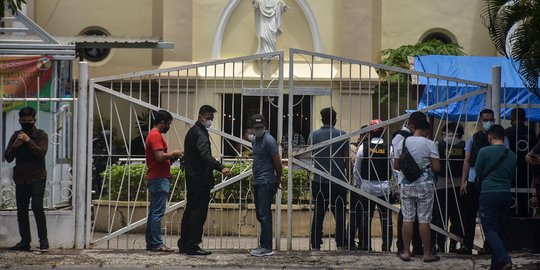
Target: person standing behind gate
(469,203)
(158,161)
(397,138)
(330,159)
(496,165)
(372,175)
(28,147)
(417,195)
(199,164)
(266,180)
(522,139)
(452,154)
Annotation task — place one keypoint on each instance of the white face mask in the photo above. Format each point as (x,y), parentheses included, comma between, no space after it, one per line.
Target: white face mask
(207,123)
(251,137)
(259,132)
(487,125)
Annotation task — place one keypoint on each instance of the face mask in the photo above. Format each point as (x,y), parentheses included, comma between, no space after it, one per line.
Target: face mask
(27,126)
(251,137)
(207,123)
(165,129)
(259,132)
(487,125)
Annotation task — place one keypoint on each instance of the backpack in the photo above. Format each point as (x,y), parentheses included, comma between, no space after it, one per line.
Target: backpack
(409,167)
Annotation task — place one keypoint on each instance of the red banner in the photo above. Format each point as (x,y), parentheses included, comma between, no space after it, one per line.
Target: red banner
(26,77)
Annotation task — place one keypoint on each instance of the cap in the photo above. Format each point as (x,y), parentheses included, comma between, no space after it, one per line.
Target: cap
(376,122)
(257,121)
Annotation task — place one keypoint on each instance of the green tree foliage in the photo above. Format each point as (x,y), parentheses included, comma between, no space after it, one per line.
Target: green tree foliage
(399,57)
(13,5)
(499,17)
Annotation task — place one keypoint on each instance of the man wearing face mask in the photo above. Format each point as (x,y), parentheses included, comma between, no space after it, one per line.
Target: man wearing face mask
(199,164)
(469,203)
(158,161)
(28,147)
(266,180)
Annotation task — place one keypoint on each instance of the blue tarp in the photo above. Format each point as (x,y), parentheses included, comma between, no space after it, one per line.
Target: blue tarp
(472,68)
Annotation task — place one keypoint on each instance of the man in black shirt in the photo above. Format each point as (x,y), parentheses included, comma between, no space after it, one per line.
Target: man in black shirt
(28,147)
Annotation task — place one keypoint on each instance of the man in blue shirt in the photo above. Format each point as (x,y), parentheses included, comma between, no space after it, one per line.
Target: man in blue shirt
(330,159)
(266,180)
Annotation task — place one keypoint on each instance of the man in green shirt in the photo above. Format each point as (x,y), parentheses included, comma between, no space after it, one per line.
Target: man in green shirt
(496,166)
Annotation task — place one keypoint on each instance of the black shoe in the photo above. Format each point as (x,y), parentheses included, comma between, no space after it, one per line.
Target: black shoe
(20,247)
(198,252)
(181,248)
(485,251)
(43,245)
(464,251)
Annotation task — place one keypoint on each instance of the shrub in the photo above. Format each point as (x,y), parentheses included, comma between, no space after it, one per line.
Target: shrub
(117,177)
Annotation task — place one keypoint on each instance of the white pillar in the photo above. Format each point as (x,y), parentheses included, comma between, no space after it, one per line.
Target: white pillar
(80,177)
(496,92)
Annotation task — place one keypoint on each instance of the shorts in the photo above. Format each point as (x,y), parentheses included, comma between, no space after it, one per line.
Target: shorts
(417,200)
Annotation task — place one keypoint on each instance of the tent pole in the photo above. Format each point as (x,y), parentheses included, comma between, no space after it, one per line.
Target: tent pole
(496,92)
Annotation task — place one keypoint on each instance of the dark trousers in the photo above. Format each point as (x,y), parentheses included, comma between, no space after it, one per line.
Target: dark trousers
(446,199)
(416,241)
(361,222)
(193,219)
(263,206)
(521,206)
(324,195)
(469,210)
(495,216)
(23,193)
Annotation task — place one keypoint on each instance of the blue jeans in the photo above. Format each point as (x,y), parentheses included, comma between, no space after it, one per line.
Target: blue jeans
(159,192)
(263,206)
(495,216)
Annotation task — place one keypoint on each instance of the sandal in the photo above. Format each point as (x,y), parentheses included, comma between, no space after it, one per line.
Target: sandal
(162,248)
(434,259)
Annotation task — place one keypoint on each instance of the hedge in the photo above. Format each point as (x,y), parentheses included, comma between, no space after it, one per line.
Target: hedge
(117,177)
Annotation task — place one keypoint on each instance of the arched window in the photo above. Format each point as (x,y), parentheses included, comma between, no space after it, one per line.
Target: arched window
(95,54)
(442,35)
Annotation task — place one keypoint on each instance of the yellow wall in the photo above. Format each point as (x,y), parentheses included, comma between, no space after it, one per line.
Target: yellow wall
(64,18)
(405,22)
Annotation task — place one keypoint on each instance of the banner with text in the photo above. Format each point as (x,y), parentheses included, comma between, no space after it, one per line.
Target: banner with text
(26,77)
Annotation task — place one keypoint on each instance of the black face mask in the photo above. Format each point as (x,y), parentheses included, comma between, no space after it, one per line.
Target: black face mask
(27,126)
(164,130)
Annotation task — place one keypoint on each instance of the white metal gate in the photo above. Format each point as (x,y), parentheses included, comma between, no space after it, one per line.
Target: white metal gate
(120,114)
(358,91)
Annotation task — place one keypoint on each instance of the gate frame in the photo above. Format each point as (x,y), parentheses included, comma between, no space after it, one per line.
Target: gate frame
(94,84)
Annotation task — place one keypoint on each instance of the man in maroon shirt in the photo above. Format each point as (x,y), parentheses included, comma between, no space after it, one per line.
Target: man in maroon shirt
(28,147)
(158,161)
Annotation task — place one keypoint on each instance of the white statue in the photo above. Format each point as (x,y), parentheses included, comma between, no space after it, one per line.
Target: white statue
(268,23)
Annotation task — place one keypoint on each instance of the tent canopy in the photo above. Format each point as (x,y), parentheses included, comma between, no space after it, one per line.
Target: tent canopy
(473,68)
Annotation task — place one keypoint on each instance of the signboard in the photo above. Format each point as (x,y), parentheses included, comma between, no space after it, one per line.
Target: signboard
(26,77)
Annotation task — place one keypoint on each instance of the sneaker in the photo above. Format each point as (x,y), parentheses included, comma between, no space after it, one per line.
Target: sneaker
(20,247)
(261,252)
(43,245)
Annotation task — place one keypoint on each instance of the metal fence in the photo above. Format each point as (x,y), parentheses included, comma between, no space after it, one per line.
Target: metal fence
(55,115)
(120,113)
(358,91)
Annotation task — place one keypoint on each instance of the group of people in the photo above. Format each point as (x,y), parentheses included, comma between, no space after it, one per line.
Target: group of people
(455,180)
(199,165)
(445,169)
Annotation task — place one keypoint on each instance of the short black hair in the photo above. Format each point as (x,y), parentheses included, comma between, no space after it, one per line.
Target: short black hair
(484,111)
(27,111)
(162,115)
(518,114)
(419,120)
(496,132)
(328,115)
(454,127)
(206,109)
